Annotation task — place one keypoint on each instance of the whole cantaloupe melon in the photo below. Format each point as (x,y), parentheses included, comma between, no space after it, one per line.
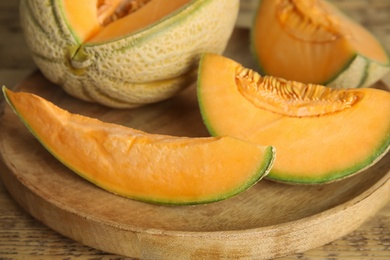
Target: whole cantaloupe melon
(125,53)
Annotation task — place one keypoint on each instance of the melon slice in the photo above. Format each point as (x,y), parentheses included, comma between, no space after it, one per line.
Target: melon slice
(320,134)
(312,41)
(125,53)
(142,166)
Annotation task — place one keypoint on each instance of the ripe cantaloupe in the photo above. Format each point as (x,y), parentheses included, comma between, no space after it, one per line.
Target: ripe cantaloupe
(147,167)
(320,134)
(312,41)
(124,53)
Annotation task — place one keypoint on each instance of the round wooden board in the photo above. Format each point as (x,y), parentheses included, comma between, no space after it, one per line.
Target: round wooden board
(267,221)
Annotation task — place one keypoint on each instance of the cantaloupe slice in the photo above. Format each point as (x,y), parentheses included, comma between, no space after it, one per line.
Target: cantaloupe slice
(148,167)
(320,134)
(312,41)
(125,53)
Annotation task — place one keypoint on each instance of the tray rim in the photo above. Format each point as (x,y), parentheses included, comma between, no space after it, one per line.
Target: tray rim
(232,236)
(382,185)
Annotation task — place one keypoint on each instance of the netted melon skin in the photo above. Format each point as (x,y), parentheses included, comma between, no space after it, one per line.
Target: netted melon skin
(146,67)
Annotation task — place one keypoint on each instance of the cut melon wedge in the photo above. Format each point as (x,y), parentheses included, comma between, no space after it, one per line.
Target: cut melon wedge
(312,41)
(147,167)
(320,134)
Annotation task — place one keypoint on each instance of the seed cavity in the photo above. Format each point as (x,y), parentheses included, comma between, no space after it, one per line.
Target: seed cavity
(292,98)
(111,10)
(309,20)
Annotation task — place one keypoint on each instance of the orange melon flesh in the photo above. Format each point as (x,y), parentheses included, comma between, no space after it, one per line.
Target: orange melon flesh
(309,41)
(86,17)
(131,163)
(319,143)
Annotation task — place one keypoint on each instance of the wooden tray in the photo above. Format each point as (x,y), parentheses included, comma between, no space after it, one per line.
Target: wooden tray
(267,221)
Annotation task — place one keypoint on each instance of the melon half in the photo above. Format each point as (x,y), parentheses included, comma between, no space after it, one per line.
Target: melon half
(312,41)
(148,167)
(320,134)
(125,53)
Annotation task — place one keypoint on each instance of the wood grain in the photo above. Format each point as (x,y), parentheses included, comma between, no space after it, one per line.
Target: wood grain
(24,237)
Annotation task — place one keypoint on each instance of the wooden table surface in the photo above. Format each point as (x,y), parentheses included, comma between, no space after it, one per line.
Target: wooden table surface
(22,237)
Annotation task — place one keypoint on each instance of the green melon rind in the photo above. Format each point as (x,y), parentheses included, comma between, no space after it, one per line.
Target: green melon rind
(261,171)
(360,73)
(330,177)
(352,75)
(137,69)
(375,71)
(202,107)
